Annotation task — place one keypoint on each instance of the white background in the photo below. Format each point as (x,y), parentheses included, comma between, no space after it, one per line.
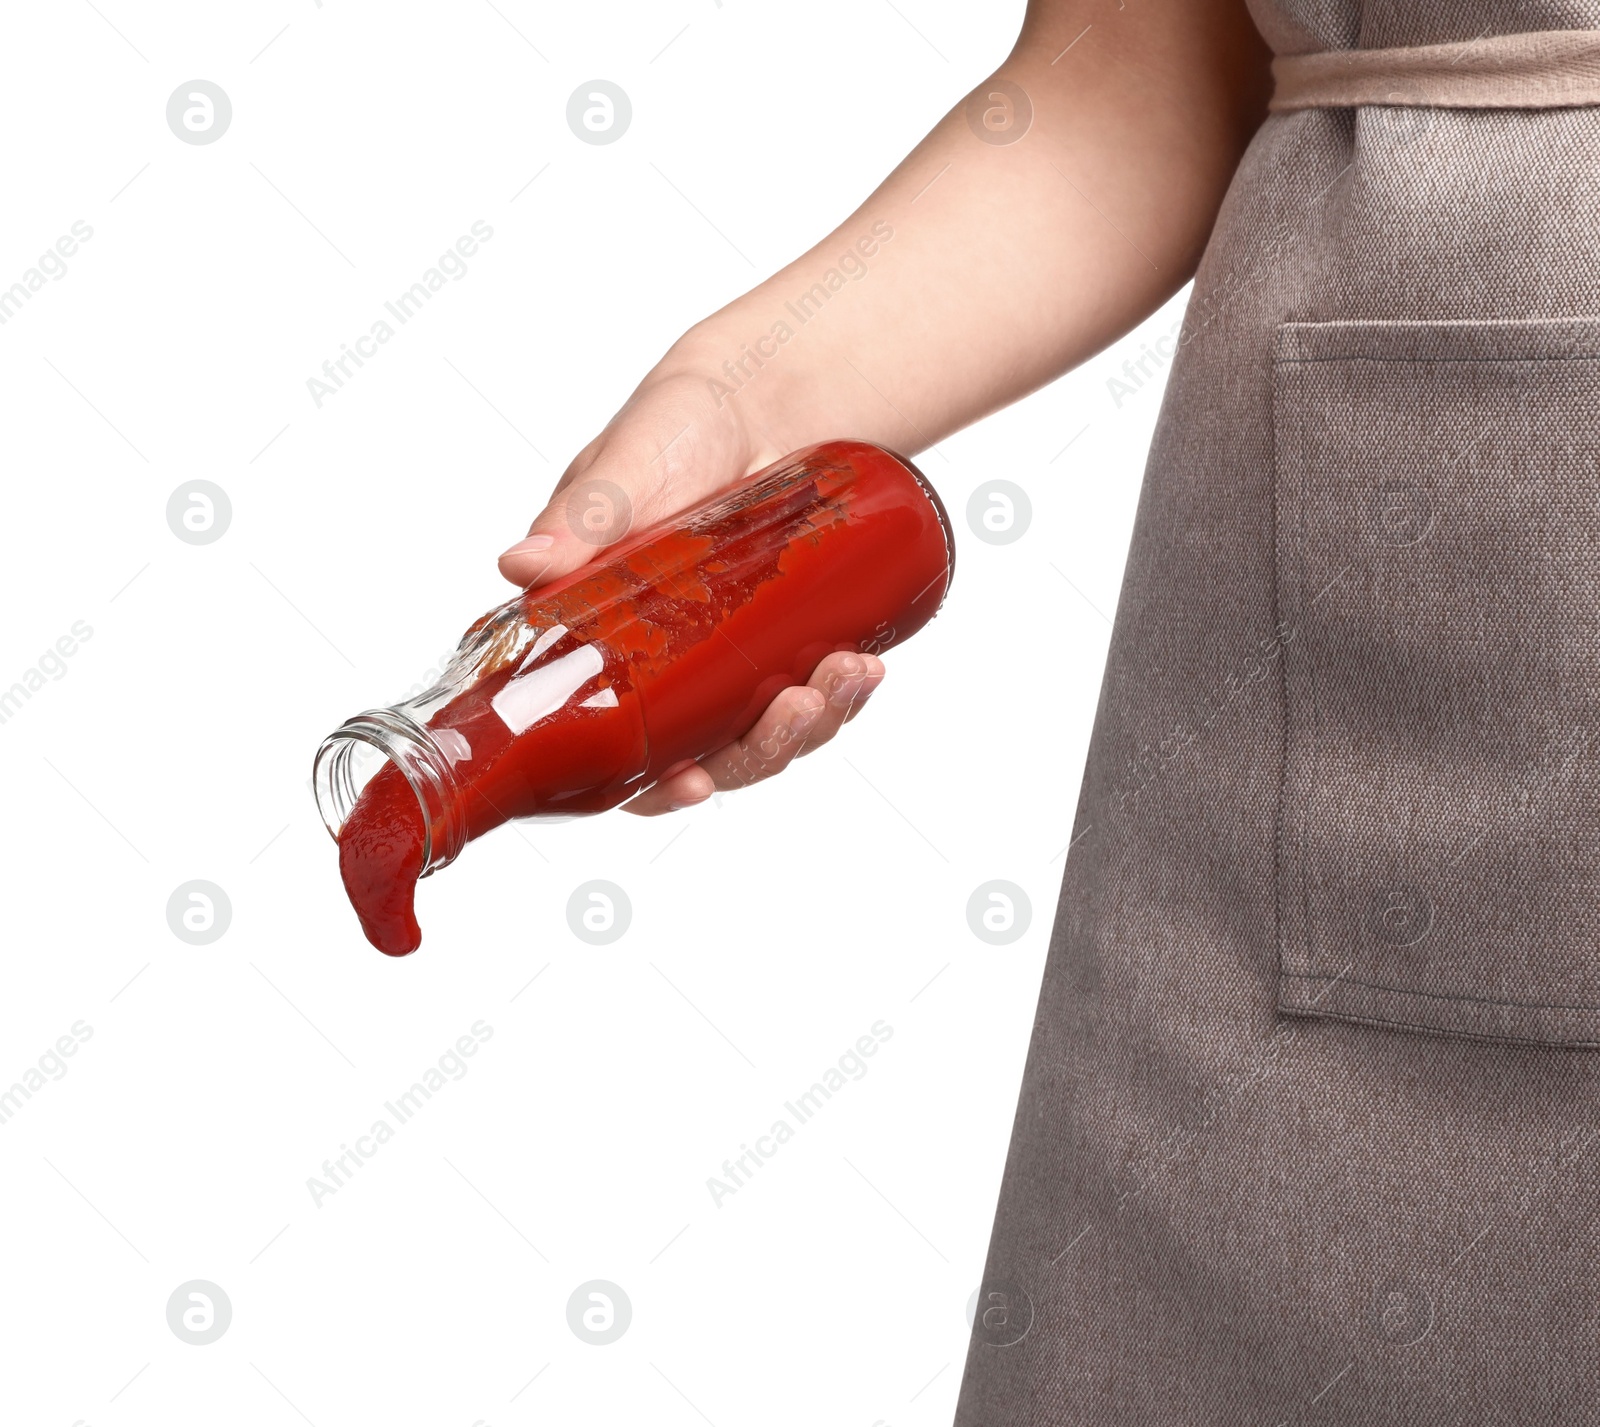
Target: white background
(770,929)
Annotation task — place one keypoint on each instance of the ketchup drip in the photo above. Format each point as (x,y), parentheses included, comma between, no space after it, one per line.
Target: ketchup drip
(574,696)
(380,859)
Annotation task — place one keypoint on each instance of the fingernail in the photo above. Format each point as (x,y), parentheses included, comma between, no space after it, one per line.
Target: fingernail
(533,545)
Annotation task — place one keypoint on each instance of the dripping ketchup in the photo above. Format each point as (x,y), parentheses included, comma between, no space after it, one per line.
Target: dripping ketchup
(572,697)
(380,859)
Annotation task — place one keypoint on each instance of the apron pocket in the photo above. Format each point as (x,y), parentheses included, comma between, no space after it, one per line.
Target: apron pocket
(1437,491)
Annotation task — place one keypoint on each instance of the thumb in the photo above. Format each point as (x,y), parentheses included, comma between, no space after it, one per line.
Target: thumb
(667,448)
(587,513)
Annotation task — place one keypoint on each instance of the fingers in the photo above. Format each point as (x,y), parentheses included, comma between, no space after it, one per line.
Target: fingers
(848,687)
(767,747)
(683,788)
(800,720)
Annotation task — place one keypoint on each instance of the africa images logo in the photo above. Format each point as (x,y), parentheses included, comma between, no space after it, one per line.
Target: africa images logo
(852,1065)
(340,1169)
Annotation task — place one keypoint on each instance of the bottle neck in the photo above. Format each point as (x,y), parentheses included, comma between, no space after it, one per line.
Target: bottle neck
(349,759)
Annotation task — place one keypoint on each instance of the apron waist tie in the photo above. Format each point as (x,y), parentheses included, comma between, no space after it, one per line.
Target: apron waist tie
(1545,69)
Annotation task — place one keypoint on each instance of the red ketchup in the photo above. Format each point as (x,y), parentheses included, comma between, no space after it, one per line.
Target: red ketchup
(572,697)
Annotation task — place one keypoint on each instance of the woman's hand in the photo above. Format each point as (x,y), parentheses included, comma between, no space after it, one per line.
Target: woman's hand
(799,720)
(1050,218)
(672,444)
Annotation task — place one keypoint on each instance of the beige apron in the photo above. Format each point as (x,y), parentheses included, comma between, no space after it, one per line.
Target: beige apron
(1310,1124)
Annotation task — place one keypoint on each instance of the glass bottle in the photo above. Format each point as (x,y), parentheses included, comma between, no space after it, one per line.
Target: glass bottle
(571,697)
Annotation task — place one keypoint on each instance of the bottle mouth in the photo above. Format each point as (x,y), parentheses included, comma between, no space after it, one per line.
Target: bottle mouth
(353,754)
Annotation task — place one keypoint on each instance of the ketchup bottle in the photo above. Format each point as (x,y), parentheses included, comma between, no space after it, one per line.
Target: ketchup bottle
(574,696)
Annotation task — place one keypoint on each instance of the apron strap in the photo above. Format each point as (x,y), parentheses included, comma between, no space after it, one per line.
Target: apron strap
(1545,69)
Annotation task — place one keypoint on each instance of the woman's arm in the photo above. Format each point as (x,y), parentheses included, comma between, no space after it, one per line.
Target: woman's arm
(1003,251)
(1012,263)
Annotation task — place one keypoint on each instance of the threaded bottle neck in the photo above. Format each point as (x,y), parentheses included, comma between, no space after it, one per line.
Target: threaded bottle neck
(351,756)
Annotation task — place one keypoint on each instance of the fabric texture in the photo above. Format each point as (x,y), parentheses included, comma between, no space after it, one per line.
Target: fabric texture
(1436,607)
(1533,71)
(1309,1126)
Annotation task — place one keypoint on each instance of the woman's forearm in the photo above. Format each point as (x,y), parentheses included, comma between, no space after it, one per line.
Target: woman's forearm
(979,271)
